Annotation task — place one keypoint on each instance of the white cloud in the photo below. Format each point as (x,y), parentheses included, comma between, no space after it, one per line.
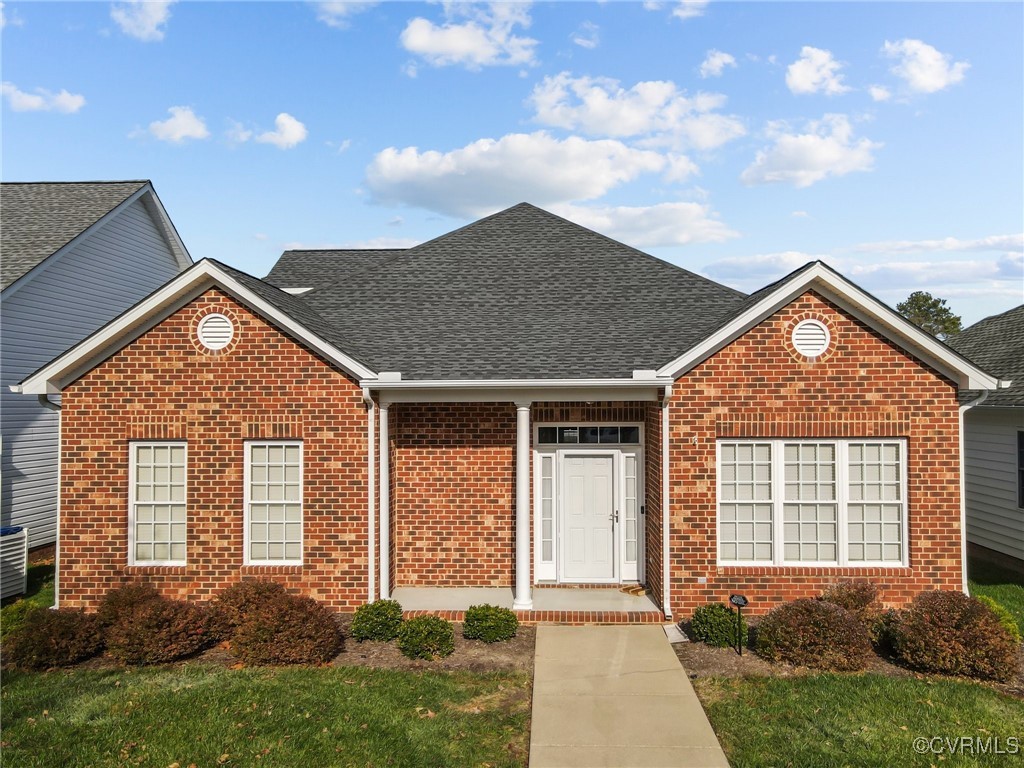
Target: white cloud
(1012,243)
(182,124)
(760,268)
(9,17)
(815,72)
(41,100)
(288,132)
(338,14)
(376,243)
(491,174)
(587,35)
(800,215)
(485,38)
(879,93)
(924,68)
(142,19)
(238,133)
(655,109)
(664,224)
(689,9)
(715,63)
(826,148)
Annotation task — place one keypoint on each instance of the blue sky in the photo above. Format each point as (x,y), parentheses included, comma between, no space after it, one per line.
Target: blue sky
(738,140)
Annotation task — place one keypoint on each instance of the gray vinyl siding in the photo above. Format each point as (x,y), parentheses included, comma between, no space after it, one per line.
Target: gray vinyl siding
(59,304)
(994,517)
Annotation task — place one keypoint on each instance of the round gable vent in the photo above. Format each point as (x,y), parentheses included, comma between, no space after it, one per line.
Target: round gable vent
(215,331)
(811,338)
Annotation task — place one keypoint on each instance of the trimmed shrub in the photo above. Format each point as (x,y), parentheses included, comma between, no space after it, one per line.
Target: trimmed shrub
(813,633)
(426,637)
(287,630)
(53,638)
(859,597)
(13,616)
(715,624)
(379,621)
(951,633)
(234,604)
(1005,617)
(159,631)
(489,623)
(122,601)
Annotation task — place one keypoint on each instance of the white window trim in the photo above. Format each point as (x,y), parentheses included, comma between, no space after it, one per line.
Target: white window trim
(842,502)
(249,445)
(132,446)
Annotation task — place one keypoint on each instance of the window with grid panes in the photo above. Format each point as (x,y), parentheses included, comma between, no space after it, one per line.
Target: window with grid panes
(157,513)
(273,503)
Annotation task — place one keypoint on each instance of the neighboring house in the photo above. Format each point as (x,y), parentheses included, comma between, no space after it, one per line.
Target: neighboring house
(73,256)
(994,435)
(519,403)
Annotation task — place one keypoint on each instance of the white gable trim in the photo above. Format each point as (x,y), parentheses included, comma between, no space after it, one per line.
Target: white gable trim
(154,208)
(861,305)
(86,355)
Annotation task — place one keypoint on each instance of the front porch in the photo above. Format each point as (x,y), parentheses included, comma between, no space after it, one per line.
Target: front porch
(551,605)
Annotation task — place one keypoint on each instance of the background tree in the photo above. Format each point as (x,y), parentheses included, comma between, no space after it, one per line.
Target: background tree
(930,314)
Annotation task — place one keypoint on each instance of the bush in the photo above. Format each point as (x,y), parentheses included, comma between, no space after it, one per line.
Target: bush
(814,633)
(159,631)
(715,624)
(287,630)
(951,633)
(14,615)
(1005,617)
(489,623)
(122,601)
(859,597)
(377,621)
(426,637)
(53,638)
(234,604)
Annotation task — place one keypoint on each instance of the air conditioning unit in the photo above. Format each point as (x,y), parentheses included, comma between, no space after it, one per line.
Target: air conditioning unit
(13,561)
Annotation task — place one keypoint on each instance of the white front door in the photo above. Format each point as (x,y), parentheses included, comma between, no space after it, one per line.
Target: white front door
(588,518)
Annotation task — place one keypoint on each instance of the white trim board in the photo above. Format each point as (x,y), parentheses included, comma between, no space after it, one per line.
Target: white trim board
(121,331)
(858,303)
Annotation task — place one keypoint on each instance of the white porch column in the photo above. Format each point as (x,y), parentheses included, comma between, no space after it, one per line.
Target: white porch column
(385,501)
(523,599)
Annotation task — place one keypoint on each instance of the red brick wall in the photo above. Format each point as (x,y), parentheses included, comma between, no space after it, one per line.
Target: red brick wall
(652,491)
(864,386)
(453,505)
(163,386)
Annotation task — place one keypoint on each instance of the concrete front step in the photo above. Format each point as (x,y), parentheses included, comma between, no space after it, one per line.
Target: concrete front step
(574,618)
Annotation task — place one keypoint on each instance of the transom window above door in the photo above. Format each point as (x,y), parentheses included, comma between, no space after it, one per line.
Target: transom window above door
(589,435)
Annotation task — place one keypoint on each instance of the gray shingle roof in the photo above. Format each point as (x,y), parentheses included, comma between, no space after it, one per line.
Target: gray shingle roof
(520,294)
(39,218)
(317,269)
(996,345)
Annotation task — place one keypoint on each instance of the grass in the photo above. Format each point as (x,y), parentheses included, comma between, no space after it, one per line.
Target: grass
(39,593)
(1003,585)
(212,716)
(854,720)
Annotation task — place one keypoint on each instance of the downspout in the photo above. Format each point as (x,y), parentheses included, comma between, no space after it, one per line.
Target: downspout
(44,400)
(371,495)
(666,603)
(963,490)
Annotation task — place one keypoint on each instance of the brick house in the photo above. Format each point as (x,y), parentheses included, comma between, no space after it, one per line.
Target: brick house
(517,405)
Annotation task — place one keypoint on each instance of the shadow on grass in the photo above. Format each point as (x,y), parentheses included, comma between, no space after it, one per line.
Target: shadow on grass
(984,572)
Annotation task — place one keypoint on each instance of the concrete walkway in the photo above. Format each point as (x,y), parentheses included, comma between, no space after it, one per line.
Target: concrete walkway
(616,697)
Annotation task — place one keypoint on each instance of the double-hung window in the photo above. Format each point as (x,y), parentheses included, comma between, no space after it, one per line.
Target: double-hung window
(812,502)
(157,513)
(273,503)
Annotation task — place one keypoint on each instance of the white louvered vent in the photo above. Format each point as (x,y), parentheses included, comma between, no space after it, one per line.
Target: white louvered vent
(215,331)
(811,338)
(13,561)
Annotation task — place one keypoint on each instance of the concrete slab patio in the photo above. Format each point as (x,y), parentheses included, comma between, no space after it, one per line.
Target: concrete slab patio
(615,696)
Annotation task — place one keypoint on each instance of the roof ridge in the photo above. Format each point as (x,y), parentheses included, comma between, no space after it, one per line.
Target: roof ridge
(341,250)
(94,181)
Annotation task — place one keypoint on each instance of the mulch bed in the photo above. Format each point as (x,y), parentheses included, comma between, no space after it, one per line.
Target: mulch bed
(700,660)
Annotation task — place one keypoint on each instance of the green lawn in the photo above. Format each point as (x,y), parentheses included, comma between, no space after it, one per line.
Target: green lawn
(268,717)
(39,592)
(855,720)
(1003,585)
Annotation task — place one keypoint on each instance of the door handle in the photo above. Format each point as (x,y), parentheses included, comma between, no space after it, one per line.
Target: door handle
(615,517)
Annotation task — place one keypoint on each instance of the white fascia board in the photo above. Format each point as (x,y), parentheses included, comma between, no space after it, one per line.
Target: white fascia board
(52,378)
(517,390)
(167,228)
(864,307)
